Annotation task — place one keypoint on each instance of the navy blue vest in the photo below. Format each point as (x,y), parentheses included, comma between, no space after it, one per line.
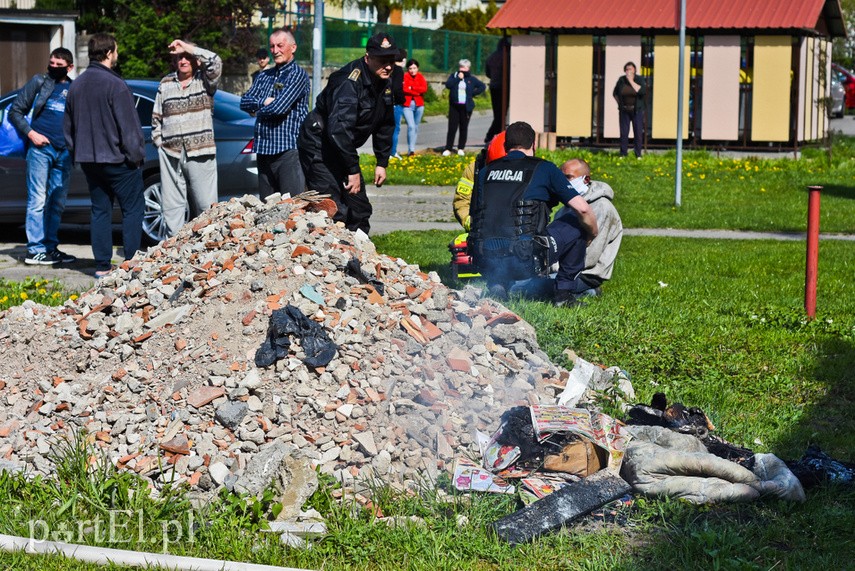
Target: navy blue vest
(504,227)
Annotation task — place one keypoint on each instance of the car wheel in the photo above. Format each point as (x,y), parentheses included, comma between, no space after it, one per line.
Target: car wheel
(154,226)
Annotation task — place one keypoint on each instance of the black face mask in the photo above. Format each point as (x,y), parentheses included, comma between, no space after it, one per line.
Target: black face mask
(57,73)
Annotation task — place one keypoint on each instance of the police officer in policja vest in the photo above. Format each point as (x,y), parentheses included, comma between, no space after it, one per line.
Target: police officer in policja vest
(511,238)
(355,104)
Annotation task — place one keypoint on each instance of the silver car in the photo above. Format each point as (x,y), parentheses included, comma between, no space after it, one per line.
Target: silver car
(838,99)
(236,165)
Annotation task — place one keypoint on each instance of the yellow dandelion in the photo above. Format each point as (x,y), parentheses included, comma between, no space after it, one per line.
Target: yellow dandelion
(702,176)
(24,295)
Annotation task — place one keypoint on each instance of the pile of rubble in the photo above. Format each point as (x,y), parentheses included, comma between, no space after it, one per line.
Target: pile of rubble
(157,362)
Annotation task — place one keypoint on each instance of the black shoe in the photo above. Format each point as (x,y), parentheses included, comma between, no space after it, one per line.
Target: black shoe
(565,298)
(498,291)
(40,259)
(61,257)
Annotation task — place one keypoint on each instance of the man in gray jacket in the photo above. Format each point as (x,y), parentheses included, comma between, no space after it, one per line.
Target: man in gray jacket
(602,251)
(48,161)
(103,133)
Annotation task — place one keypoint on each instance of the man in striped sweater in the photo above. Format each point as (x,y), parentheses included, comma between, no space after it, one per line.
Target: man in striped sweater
(182,129)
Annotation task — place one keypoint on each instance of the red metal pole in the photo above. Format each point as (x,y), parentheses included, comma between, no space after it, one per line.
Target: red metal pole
(812,250)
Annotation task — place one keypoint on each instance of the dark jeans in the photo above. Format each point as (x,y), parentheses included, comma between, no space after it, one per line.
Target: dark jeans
(496,101)
(108,182)
(324,173)
(636,119)
(457,117)
(280,173)
(567,247)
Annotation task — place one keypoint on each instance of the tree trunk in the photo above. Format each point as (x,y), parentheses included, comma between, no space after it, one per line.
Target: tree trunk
(383,12)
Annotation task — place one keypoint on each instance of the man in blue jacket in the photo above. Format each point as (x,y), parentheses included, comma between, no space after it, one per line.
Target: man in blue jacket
(463,88)
(104,135)
(48,161)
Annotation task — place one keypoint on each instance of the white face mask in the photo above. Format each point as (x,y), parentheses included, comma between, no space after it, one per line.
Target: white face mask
(579,185)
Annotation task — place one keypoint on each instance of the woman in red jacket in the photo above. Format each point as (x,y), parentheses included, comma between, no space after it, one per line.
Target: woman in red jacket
(415,86)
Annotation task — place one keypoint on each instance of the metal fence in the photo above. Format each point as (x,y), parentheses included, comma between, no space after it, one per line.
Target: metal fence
(435,50)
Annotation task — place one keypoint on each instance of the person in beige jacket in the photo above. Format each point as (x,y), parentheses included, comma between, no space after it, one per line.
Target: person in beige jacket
(182,129)
(602,251)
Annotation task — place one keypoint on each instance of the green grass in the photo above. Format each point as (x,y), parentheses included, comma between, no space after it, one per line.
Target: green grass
(39,290)
(717,192)
(727,333)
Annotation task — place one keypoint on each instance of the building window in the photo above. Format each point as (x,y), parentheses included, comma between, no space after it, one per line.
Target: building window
(429,14)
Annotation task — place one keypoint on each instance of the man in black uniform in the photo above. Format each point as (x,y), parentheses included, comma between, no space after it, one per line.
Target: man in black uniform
(511,238)
(355,104)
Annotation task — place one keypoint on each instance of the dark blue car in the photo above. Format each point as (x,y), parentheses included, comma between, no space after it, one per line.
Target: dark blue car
(236,167)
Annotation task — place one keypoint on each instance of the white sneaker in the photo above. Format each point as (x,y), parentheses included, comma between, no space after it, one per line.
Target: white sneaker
(460,152)
(446,153)
(396,156)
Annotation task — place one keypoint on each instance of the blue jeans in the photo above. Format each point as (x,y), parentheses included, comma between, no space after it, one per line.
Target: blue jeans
(48,171)
(108,182)
(568,243)
(399,110)
(413,116)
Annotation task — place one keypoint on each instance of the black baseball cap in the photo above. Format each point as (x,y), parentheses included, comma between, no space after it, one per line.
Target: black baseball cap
(381,45)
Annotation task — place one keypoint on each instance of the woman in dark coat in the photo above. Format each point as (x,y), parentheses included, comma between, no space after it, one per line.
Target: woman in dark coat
(629,93)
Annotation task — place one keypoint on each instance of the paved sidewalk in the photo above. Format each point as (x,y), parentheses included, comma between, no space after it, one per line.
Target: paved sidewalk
(395,208)
(730,234)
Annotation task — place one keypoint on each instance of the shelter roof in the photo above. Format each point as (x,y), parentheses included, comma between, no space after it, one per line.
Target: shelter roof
(823,16)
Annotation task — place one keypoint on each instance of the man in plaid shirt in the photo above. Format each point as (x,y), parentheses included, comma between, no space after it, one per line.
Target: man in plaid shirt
(279,99)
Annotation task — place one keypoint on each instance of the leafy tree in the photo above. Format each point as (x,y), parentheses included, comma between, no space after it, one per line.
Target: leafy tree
(144,28)
(843,49)
(49,5)
(473,20)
